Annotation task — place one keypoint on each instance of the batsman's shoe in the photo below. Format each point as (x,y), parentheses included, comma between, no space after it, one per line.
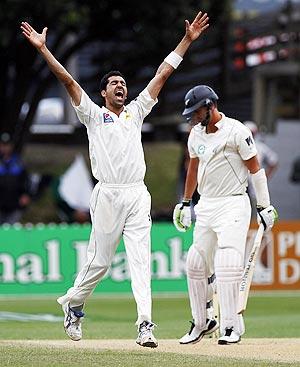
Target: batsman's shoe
(72,322)
(196,334)
(230,337)
(145,336)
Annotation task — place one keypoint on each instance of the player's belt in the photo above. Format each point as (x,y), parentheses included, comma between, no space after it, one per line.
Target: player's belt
(121,186)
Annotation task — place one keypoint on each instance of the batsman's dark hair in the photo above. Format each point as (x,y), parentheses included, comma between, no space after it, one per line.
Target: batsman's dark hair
(104,80)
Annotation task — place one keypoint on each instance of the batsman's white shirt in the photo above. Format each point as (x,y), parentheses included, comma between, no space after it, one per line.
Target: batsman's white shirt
(221,169)
(115,146)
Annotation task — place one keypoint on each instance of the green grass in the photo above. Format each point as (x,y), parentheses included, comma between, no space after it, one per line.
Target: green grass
(275,317)
(114,318)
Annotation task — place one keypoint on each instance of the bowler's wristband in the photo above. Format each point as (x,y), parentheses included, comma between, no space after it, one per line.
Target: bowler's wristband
(173,59)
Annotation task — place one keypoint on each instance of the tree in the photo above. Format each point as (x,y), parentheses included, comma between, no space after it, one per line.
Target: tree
(137,32)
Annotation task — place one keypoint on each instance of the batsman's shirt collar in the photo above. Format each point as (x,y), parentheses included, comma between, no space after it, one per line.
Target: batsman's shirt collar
(220,123)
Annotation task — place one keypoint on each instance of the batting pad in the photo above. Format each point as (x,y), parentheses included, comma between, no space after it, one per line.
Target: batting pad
(197,286)
(229,270)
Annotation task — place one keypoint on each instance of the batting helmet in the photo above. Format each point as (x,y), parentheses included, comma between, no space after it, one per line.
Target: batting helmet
(197,97)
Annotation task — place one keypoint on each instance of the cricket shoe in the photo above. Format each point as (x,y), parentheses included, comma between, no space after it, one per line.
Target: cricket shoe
(196,334)
(230,337)
(145,336)
(72,322)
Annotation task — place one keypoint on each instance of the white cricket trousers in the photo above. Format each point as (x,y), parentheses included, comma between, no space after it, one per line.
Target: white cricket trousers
(116,211)
(219,242)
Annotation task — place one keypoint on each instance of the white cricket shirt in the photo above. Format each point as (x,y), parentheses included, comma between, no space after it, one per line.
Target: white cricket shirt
(221,170)
(115,146)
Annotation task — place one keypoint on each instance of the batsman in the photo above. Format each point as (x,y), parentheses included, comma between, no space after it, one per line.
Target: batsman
(222,152)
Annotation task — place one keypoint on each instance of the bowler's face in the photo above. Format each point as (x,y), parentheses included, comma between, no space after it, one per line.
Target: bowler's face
(116,91)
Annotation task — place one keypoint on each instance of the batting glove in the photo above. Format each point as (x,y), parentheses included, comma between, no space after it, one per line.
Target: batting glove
(267,216)
(182,216)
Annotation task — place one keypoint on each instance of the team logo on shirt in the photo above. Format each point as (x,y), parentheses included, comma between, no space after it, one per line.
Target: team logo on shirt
(201,149)
(249,140)
(107,118)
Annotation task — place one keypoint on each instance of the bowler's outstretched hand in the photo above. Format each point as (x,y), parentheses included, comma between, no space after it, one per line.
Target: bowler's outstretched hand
(38,40)
(199,24)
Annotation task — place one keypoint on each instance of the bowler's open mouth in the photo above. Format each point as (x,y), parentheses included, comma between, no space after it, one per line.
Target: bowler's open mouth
(119,93)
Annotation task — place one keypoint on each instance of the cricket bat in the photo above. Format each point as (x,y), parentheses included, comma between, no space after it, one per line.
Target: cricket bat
(248,271)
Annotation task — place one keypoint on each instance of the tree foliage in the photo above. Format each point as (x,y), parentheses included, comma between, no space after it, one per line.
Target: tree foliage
(138,32)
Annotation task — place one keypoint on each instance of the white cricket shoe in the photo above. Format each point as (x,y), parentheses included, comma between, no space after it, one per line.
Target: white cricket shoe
(230,337)
(145,336)
(196,334)
(72,322)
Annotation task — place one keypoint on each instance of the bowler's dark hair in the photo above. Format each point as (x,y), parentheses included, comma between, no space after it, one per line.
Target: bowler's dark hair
(104,80)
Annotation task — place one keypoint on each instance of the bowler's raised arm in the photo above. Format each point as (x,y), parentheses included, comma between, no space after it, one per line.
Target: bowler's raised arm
(172,61)
(38,40)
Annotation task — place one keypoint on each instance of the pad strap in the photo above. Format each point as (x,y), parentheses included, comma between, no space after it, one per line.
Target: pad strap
(211,278)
